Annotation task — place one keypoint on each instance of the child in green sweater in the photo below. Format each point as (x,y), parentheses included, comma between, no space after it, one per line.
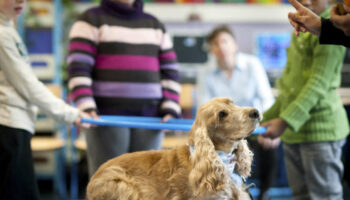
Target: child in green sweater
(309,116)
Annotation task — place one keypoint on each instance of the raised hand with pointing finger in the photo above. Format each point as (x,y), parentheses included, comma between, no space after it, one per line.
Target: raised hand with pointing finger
(304,19)
(335,30)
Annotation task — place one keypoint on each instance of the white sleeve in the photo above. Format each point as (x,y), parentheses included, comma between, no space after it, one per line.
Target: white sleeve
(202,88)
(264,92)
(20,75)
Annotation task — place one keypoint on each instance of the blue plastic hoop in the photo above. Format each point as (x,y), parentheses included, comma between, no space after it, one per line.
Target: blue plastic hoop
(148,123)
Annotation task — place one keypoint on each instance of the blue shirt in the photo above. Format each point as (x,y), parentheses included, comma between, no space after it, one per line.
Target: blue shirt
(248,86)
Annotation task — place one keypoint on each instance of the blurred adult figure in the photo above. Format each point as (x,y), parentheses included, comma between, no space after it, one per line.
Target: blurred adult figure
(242,78)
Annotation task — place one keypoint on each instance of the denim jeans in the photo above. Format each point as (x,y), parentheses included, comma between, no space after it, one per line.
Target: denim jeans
(315,170)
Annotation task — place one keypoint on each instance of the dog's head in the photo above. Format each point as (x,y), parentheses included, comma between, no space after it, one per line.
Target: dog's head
(225,122)
(219,125)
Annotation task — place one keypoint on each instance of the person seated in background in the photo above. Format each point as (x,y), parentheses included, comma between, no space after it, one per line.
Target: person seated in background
(335,30)
(242,78)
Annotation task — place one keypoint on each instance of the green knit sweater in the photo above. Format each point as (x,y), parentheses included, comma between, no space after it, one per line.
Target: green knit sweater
(307,98)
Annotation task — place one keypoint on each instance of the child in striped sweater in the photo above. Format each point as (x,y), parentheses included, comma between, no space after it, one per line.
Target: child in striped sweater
(121,62)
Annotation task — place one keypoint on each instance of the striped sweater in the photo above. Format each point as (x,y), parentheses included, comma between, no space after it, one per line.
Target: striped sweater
(121,62)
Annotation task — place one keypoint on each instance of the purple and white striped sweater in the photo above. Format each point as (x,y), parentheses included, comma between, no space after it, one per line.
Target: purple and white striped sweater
(121,62)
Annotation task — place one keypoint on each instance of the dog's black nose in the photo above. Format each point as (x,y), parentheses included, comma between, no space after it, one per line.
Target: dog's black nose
(254,114)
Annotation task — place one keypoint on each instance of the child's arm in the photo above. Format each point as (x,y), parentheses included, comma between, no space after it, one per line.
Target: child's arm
(169,77)
(81,60)
(20,76)
(327,61)
(332,35)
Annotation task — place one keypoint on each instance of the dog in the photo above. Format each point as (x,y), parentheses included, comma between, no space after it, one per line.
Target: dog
(189,172)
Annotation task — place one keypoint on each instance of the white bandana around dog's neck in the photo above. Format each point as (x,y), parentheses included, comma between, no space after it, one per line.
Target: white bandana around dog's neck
(229,162)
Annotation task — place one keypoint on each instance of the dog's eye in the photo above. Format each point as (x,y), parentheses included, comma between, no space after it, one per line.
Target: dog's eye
(222,114)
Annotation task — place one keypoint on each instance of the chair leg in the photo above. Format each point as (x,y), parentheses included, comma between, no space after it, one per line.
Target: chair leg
(74,185)
(60,175)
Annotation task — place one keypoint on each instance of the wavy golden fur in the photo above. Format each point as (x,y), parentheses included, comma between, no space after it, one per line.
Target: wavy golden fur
(178,174)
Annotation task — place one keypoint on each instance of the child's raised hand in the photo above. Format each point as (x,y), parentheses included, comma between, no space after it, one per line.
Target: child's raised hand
(304,20)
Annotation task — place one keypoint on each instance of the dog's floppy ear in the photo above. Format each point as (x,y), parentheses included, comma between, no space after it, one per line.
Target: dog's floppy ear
(244,157)
(208,174)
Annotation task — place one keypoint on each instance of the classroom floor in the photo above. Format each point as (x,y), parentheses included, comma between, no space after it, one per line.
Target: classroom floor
(282,193)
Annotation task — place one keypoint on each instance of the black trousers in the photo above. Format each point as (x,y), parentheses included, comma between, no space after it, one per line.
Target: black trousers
(17,177)
(265,165)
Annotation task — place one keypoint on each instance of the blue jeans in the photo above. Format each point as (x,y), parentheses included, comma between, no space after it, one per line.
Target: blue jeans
(315,170)
(107,142)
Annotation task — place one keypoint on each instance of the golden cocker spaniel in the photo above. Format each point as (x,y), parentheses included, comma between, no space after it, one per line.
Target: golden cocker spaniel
(188,172)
